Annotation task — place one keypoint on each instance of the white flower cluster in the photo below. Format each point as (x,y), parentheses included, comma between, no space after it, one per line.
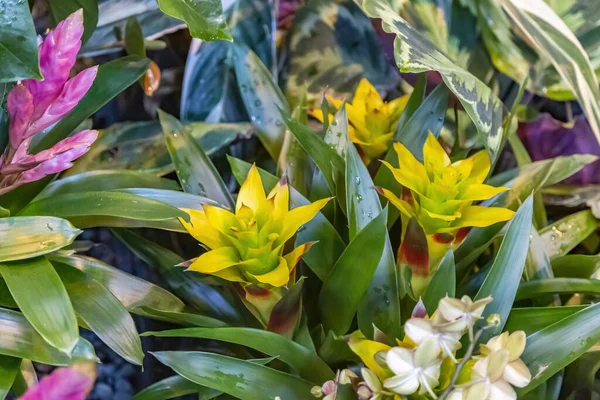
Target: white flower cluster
(417,370)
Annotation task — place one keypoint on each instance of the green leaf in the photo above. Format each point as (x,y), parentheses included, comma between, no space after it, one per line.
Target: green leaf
(575,266)
(141,146)
(131,291)
(26,237)
(61,9)
(414,53)
(329,162)
(194,168)
(102,313)
(171,197)
(239,378)
(562,236)
(9,368)
(87,209)
(442,284)
(204,19)
(18,42)
(553,40)
(189,286)
(535,288)
(304,361)
(134,38)
(180,318)
(19,339)
(42,298)
(503,279)
(535,319)
(322,256)
(575,334)
(106,180)
(380,305)
(262,98)
(113,77)
(345,287)
(172,387)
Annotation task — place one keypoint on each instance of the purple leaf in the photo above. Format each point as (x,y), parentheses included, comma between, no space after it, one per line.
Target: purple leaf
(20,111)
(547,138)
(71,93)
(62,384)
(58,53)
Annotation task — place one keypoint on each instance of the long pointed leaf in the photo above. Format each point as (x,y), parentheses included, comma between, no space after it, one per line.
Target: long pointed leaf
(503,280)
(19,339)
(239,378)
(9,368)
(27,237)
(42,298)
(304,361)
(345,287)
(194,168)
(102,313)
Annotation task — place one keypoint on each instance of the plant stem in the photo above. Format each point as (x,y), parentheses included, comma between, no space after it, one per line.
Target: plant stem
(461,365)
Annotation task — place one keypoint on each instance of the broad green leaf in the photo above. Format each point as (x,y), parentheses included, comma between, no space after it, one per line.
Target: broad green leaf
(195,170)
(552,39)
(6,299)
(329,162)
(575,266)
(113,77)
(42,298)
(18,42)
(102,313)
(414,53)
(140,146)
(177,385)
(562,236)
(334,349)
(134,38)
(9,368)
(190,286)
(442,284)
(173,198)
(528,290)
(346,285)
(575,334)
(505,275)
(262,98)
(26,237)
(239,378)
(380,305)
(61,9)
(86,209)
(131,291)
(535,319)
(173,387)
(204,19)
(186,319)
(304,361)
(499,40)
(323,255)
(320,54)
(19,339)
(106,180)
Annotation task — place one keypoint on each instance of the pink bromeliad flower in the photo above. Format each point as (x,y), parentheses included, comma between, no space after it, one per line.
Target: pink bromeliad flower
(35,105)
(61,384)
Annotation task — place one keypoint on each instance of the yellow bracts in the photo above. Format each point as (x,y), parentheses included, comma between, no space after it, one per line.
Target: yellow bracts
(248,245)
(371,120)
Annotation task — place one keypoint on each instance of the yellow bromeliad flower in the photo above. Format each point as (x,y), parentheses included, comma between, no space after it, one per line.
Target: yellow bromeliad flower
(248,246)
(439,195)
(372,120)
